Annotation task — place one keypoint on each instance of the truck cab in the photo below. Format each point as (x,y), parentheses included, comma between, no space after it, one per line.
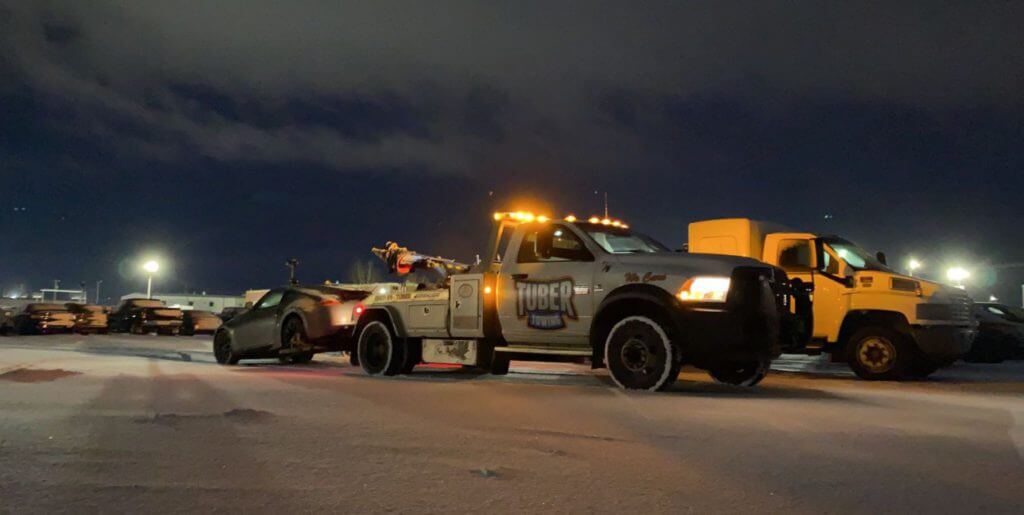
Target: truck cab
(884,324)
(582,289)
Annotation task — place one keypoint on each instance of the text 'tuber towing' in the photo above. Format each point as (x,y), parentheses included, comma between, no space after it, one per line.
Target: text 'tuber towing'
(568,289)
(883,324)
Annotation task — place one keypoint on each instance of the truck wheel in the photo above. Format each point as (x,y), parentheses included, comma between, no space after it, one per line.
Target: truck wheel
(222,350)
(741,374)
(879,354)
(500,363)
(380,352)
(640,356)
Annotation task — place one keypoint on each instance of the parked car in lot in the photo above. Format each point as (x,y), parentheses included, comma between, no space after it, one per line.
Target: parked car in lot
(41,318)
(1000,334)
(6,320)
(143,316)
(199,322)
(88,318)
(291,324)
(229,313)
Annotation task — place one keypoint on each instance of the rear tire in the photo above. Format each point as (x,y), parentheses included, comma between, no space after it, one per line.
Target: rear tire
(640,355)
(413,356)
(880,354)
(380,351)
(500,363)
(222,349)
(741,374)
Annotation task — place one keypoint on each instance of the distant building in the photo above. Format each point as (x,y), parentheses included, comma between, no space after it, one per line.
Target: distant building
(199,302)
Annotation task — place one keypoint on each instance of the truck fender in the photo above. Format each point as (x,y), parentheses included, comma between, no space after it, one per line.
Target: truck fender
(628,299)
(389,313)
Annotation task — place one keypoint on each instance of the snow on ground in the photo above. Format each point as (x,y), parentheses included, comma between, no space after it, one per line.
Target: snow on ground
(146,423)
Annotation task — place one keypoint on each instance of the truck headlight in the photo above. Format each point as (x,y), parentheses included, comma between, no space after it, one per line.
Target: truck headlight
(704,288)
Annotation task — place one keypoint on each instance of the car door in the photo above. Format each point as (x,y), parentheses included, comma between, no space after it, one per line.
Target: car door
(256,328)
(545,286)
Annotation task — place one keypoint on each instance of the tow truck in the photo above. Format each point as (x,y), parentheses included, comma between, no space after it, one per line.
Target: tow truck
(884,325)
(589,290)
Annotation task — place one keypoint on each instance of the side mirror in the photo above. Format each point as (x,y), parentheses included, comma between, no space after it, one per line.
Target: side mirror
(880,256)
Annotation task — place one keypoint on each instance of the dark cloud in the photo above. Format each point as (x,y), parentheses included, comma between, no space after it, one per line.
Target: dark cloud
(904,120)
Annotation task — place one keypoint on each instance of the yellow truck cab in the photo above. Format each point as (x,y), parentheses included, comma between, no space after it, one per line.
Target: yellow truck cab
(884,324)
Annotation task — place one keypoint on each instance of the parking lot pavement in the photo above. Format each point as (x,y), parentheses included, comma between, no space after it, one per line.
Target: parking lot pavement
(147,423)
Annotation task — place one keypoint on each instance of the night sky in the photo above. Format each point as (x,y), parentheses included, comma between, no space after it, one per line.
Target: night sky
(229,136)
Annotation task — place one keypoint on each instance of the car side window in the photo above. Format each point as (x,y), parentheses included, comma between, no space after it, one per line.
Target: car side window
(552,243)
(795,255)
(270,300)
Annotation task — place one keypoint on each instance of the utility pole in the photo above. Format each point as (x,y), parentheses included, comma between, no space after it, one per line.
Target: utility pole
(606,204)
(291,264)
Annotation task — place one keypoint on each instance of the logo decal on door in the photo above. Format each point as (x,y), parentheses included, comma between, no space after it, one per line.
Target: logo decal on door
(545,304)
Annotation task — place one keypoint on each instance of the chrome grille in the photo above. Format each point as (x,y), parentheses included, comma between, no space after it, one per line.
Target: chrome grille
(960,308)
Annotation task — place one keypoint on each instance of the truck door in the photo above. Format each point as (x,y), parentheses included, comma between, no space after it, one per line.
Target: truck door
(795,255)
(545,286)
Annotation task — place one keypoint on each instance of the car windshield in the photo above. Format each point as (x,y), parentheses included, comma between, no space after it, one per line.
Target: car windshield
(856,257)
(616,240)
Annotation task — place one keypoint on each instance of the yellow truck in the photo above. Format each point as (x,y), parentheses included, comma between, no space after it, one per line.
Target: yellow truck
(885,325)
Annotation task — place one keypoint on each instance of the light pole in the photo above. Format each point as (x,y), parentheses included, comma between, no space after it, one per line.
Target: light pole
(98,283)
(912,265)
(152,267)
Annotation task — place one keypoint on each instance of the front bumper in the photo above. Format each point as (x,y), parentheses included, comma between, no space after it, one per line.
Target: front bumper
(161,324)
(744,328)
(943,341)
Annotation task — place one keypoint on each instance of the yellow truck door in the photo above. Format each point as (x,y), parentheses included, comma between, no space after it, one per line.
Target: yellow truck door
(794,253)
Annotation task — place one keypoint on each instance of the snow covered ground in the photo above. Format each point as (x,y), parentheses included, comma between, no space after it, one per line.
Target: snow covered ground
(146,423)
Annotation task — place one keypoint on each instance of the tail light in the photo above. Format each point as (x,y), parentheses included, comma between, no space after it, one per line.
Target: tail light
(356,311)
(329,301)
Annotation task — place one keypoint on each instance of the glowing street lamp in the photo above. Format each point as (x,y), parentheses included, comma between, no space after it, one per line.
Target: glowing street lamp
(957,275)
(151,267)
(913,265)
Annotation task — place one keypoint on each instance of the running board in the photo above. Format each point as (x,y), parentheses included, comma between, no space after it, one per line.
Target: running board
(543,350)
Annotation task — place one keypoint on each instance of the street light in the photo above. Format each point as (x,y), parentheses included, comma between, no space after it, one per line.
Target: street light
(152,267)
(957,275)
(913,265)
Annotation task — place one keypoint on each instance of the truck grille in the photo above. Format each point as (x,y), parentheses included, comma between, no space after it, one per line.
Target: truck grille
(960,308)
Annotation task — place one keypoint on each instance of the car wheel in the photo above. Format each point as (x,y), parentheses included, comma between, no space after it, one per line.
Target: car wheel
(137,329)
(740,374)
(293,334)
(222,349)
(640,355)
(880,354)
(380,352)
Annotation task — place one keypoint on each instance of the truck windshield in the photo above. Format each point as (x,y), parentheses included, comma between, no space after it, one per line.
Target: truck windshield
(616,240)
(856,257)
